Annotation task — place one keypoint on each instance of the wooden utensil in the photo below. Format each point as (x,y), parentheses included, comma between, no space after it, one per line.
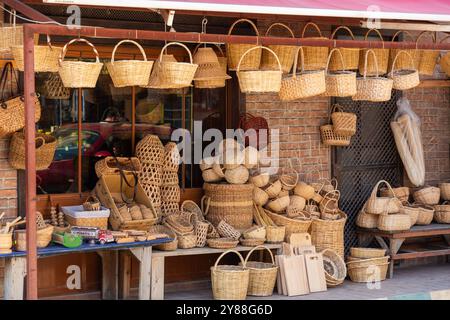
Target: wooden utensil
(315,272)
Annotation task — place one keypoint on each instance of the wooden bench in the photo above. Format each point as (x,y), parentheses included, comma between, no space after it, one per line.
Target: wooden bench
(393,241)
(15,266)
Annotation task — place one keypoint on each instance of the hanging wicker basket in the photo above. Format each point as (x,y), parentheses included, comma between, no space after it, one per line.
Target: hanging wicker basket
(79,74)
(315,58)
(404,79)
(428,58)
(375,88)
(382,58)
(344,123)
(349,55)
(54,89)
(11,35)
(235,51)
(45,57)
(259,80)
(285,54)
(403,61)
(330,138)
(304,84)
(45,151)
(339,83)
(212,70)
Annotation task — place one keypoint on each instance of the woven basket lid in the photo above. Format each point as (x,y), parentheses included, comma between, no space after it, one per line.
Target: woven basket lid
(205,56)
(210,72)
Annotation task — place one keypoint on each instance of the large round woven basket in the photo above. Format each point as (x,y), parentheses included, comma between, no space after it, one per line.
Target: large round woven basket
(340,83)
(329,234)
(259,80)
(404,79)
(79,74)
(382,58)
(232,203)
(230,282)
(349,55)
(236,50)
(45,151)
(45,57)
(285,54)
(127,73)
(263,275)
(428,58)
(315,57)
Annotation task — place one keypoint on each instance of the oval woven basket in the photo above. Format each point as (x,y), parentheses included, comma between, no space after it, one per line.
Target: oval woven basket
(350,56)
(315,58)
(292,225)
(161,229)
(426,214)
(427,195)
(222,243)
(382,58)
(45,57)
(367,220)
(45,150)
(401,193)
(403,61)
(339,83)
(275,234)
(235,51)
(394,222)
(428,58)
(404,79)
(445,190)
(285,54)
(380,205)
(263,275)
(367,253)
(442,213)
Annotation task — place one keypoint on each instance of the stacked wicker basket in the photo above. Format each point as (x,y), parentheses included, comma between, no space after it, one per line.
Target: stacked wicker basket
(341,129)
(170,189)
(367,264)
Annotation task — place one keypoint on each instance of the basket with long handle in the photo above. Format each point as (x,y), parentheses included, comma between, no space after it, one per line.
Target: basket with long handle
(339,83)
(349,55)
(236,50)
(315,58)
(404,78)
(381,54)
(285,54)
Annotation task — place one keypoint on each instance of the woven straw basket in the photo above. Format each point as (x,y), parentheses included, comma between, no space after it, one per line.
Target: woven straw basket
(45,151)
(235,51)
(263,275)
(212,70)
(375,88)
(428,58)
(403,62)
(304,84)
(344,123)
(349,55)
(442,213)
(382,58)
(259,80)
(329,234)
(445,190)
(148,112)
(394,222)
(404,79)
(426,214)
(79,74)
(11,114)
(54,88)
(292,225)
(285,54)
(111,165)
(330,137)
(45,57)
(382,205)
(315,58)
(427,195)
(127,73)
(367,220)
(340,83)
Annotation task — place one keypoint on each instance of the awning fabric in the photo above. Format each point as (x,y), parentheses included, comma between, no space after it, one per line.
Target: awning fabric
(431,10)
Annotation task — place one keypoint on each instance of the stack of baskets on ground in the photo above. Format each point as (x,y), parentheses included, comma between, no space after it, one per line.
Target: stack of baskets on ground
(170,189)
(340,129)
(367,264)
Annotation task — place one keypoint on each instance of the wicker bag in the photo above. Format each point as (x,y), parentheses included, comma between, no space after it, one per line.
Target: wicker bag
(263,275)
(329,234)
(315,58)
(428,58)
(235,51)
(54,89)
(230,282)
(380,66)
(404,78)
(79,74)
(339,83)
(285,54)
(403,62)
(375,88)
(113,165)
(382,205)
(304,84)
(350,56)
(344,123)
(45,57)
(259,80)
(45,151)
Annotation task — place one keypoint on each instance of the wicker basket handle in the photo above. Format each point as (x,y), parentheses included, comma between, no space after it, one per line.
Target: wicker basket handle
(230,251)
(257,47)
(282,25)
(312,24)
(345,28)
(128,41)
(433,37)
(205,44)
(302,62)
(395,60)
(374,60)
(64,50)
(330,181)
(377,32)
(335,191)
(175,44)
(404,32)
(375,188)
(204,208)
(337,107)
(340,55)
(244,20)
(256,248)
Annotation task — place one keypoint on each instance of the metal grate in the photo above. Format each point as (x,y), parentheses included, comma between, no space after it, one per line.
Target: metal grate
(371,156)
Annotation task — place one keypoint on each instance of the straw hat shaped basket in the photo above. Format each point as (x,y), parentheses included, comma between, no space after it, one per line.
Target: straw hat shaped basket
(339,83)
(212,70)
(304,84)
(404,78)
(230,282)
(79,74)
(382,57)
(315,58)
(127,73)
(263,275)
(382,205)
(375,88)
(45,151)
(236,50)
(45,57)
(349,55)
(428,58)
(285,54)
(403,61)
(344,123)
(259,80)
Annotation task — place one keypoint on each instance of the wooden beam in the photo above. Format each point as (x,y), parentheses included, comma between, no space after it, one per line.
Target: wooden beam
(411,26)
(434,83)
(26,10)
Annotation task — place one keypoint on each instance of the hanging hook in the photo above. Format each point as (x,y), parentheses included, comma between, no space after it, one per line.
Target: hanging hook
(204,23)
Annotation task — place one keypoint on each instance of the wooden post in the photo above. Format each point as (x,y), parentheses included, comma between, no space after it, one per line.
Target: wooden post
(157,292)
(144,255)
(133,118)
(110,272)
(15,270)
(80,139)
(125,274)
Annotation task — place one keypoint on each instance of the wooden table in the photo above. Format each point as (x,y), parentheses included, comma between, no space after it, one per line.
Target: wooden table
(157,266)
(15,266)
(393,241)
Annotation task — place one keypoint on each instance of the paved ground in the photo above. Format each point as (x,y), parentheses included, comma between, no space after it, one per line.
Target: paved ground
(407,281)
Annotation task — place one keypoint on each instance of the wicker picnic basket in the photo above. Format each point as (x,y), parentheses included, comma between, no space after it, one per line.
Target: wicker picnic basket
(403,62)
(394,222)
(235,51)
(259,80)
(161,229)
(329,234)
(350,56)
(111,165)
(127,73)
(442,212)
(445,190)
(263,275)
(45,150)
(79,74)
(401,193)
(344,123)
(304,84)
(339,83)
(426,214)
(292,225)
(315,58)
(380,205)
(378,67)
(374,88)
(367,220)
(285,54)
(428,58)
(150,150)
(45,57)
(427,195)
(79,216)
(54,89)
(404,79)
(171,157)
(232,203)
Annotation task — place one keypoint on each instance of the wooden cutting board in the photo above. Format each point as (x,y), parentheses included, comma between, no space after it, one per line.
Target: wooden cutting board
(304,250)
(281,284)
(300,239)
(296,278)
(315,271)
